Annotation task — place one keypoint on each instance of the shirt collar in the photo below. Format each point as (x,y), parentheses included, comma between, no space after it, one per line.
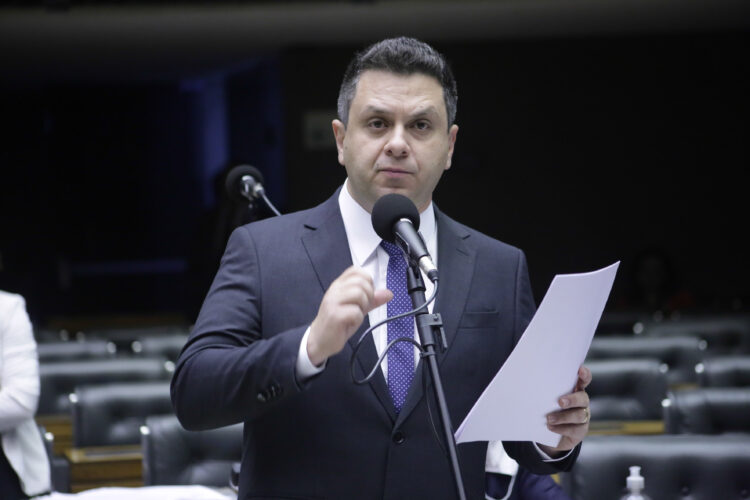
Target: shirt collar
(363,240)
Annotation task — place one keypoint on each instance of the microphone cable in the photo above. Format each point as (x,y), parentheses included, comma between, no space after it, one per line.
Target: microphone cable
(262,193)
(391,343)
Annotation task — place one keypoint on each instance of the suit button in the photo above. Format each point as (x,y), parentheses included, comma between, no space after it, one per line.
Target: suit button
(399,437)
(261,397)
(276,391)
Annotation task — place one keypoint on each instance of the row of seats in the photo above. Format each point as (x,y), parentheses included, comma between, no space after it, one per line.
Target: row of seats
(633,389)
(97,389)
(168,346)
(691,373)
(683,466)
(727,333)
(61,378)
(622,389)
(117,402)
(110,414)
(675,466)
(171,455)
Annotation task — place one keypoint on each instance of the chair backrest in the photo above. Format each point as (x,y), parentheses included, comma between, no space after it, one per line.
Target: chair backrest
(621,322)
(714,410)
(626,389)
(112,414)
(680,354)
(173,455)
(123,337)
(728,334)
(58,379)
(674,466)
(59,466)
(168,346)
(72,350)
(724,371)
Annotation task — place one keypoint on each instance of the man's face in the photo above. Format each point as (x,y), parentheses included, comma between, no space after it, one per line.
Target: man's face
(397,139)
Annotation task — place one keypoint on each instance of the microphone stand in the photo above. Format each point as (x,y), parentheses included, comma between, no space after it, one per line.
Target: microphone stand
(427,326)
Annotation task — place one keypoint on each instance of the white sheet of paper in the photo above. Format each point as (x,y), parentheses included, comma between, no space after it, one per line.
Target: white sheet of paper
(544,364)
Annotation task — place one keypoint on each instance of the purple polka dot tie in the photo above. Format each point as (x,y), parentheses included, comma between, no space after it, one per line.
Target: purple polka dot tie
(401,355)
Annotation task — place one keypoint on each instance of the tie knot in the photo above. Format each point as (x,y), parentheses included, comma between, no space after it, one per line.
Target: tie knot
(392,249)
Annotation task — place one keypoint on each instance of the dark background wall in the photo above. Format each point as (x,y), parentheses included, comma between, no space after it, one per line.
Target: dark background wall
(581,142)
(583,151)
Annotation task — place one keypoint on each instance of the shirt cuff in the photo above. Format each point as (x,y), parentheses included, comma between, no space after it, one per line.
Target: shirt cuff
(305,367)
(547,458)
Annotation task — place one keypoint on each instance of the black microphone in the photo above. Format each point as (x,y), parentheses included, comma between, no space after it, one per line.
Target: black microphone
(244,182)
(396,220)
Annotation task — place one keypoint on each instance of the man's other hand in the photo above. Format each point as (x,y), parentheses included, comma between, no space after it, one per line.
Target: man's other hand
(572,421)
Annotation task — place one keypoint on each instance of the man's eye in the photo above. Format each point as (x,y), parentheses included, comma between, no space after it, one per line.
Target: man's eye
(422,125)
(376,124)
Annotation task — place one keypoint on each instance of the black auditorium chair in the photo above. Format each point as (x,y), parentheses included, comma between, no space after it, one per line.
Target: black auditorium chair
(679,354)
(674,467)
(112,414)
(626,389)
(621,322)
(75,350)
(724,334)
(724,371)
(59,379)
(173,455)
(715,410)
(168,346)
(59,466)
(42,335)
(124,337)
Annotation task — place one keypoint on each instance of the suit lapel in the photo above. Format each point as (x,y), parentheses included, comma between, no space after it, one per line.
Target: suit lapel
(326,245)
(456,265)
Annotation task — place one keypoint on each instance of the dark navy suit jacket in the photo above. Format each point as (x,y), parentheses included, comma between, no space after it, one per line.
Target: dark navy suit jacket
(524,486)
(327,437)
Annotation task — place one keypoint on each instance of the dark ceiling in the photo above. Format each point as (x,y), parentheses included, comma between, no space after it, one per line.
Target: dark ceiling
(131,41)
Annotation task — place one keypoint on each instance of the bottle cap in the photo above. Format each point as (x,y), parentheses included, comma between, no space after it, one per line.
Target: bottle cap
(635,482)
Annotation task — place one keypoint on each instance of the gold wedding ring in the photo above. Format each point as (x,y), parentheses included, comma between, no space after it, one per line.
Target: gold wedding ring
(586,420)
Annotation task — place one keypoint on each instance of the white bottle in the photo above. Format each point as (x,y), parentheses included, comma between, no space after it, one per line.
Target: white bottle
(635,484)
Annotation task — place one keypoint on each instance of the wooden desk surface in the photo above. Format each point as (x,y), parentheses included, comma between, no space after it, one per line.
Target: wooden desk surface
(634,427)
(98,466)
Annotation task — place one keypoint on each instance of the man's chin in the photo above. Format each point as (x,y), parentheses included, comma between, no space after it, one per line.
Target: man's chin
(420,204)
(395,189)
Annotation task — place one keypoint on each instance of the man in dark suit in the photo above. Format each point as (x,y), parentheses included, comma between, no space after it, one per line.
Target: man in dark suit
(272,344)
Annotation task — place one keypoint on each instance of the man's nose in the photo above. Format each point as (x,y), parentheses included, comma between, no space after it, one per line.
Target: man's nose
(397,146)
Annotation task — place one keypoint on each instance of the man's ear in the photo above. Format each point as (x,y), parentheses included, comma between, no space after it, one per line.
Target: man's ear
(339,131)
(452,133)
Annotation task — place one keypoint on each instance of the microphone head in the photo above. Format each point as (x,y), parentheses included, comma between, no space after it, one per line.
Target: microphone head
(388,210)
(234,180)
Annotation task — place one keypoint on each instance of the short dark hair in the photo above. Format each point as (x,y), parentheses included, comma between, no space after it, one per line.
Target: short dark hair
(403,56)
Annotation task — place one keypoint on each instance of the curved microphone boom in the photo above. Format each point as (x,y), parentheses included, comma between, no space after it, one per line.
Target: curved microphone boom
(396,219)
(245,183)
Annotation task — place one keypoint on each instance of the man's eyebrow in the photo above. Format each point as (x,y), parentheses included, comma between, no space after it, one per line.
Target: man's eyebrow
(376,110)
(427,110)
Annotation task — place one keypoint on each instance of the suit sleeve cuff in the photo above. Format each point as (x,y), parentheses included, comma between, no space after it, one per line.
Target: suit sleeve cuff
(547,458)
(305,368)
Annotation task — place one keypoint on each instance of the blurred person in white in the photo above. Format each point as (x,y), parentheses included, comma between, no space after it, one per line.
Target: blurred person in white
(24,465)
